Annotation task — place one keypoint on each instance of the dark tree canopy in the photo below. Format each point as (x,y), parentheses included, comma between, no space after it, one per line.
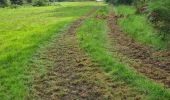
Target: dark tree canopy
(5,3)
(120,1)
(18,2)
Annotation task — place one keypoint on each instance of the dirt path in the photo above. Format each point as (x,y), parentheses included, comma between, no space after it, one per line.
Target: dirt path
(153,64)
(73,75)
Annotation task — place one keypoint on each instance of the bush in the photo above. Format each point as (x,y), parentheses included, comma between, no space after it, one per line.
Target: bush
(159,15)
(29,1)
(40,2)
(141,6)
(17,2)
(138,27)
(158,11)
(14,6)
(120,1)
(4,3)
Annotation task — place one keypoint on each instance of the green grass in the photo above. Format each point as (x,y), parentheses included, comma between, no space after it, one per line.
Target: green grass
(124,10)
(23,31)
(139,28)
(95,42)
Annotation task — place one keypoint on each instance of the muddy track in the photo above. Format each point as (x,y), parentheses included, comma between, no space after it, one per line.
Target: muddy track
(143,58)
(73,75)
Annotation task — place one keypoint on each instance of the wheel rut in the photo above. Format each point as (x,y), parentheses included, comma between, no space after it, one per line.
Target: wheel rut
(143,58)
(72,75)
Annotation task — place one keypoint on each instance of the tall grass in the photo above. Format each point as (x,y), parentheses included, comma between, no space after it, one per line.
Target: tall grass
(22,32)
(95,42)
(124,10)
(139,28)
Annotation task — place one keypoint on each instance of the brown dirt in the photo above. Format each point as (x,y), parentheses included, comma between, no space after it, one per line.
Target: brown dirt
(154,64)
(72,75)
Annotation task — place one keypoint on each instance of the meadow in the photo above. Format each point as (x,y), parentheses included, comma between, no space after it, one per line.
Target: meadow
(26,31)
(22,32)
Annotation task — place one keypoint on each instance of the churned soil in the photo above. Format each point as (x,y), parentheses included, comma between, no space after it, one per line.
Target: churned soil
(72,75)
(154,64)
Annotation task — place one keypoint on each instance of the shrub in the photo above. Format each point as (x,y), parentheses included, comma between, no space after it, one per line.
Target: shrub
(141,6)
(14,6)
(40,2)
(159,15)
(18,2)
(120,1)
(4,3)
(29,1)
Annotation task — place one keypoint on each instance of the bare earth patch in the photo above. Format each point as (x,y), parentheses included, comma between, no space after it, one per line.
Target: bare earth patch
(143,58)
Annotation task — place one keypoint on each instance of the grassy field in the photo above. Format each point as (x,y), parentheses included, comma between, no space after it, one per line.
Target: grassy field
(23,31)
(139,28)
(95,42)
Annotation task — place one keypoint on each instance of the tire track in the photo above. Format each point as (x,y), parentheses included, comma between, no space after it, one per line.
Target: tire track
(142,58)
(72,75)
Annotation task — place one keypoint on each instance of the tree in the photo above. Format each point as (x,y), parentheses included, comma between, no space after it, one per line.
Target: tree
(4,3)
(40,2)
(120,1)
(29,1)
(18,2)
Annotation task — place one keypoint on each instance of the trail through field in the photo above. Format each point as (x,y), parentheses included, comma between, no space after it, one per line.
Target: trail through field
(74,76)
(153,64)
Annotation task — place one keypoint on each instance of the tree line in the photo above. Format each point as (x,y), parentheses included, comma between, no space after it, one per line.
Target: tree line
(5,3)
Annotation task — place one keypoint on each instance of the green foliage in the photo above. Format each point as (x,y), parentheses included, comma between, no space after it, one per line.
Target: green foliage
(14,6)
(4,3)
(160,15)
(13,2)
(139,28)
(120,1)
(17,2)
(29,1)
(124,10)
(40,2)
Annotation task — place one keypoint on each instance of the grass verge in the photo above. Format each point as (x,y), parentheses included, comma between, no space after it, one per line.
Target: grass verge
(94,41)
(139,28)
